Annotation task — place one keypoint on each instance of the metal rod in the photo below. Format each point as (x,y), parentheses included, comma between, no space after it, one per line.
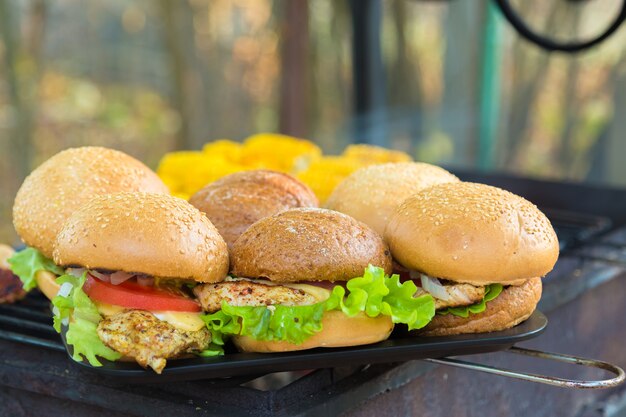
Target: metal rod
(543,379)
(32,340)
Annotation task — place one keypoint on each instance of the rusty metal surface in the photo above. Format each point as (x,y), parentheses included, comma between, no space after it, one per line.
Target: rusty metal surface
(592,326)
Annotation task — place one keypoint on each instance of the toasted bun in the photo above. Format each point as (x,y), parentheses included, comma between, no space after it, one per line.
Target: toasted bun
(308,244)
(514,305)
(236,201)
(338,330)
(152,234)
(62,184)
(371,194)
(472,233)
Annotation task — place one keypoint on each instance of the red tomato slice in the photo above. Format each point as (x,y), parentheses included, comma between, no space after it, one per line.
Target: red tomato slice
(137,296)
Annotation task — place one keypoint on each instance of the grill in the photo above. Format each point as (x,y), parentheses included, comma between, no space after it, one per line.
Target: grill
(37,376)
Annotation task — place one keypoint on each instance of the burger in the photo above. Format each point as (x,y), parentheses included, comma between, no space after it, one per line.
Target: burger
(307,278)
(10,285)
(371,194)
(478,250)
(55,190)
(236,201)
(130,261)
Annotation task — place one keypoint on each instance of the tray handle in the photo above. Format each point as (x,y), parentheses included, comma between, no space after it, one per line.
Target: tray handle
(543,379)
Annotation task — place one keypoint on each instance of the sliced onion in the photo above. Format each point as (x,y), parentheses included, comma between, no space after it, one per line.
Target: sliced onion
(77,272)
(434,287)
(120,276)
(145,280)
(65,289)
(100,276)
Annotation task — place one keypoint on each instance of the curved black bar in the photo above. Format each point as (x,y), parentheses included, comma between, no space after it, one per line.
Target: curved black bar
(549,44)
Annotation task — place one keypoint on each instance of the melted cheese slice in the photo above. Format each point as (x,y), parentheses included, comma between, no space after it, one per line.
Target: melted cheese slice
(182,320)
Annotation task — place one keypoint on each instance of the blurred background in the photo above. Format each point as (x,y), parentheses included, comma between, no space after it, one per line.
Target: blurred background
(446,82)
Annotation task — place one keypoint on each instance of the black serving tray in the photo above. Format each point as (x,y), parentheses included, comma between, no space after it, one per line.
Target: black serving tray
(398,348)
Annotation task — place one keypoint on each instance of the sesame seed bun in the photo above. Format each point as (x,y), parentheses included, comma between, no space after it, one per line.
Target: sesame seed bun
(338,330)
(371,194)
(236,201)
(308,244)
(472,233)
(153,234)
(514,305)
(62,184)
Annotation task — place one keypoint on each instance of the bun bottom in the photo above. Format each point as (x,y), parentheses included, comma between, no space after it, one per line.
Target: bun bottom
(46,281)
(339,330)
(514,305)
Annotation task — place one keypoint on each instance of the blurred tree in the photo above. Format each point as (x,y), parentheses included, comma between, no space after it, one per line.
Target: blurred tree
(528,77)
(294,87)
(187,84)
(22,64)
(458,114)
(23,67)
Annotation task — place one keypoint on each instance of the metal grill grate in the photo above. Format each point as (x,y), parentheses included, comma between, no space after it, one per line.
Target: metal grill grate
(29,321)
(575,229)
(311,392)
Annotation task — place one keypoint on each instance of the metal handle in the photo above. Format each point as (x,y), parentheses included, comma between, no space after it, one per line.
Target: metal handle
(559,382)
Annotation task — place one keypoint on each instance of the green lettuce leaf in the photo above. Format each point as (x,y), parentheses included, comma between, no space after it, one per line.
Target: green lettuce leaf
(374,294)
(292,323)
(214,349)
(491,292)
(82,328)
(26,263)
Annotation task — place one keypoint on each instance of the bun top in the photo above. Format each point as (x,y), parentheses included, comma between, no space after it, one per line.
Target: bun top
(308,244)
(371,194)
(472,233)
(62,184)
(153,234)
(236,201)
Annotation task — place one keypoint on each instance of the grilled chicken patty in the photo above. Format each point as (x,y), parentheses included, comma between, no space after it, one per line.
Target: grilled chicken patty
(248,293)
(457,295)
(150,341)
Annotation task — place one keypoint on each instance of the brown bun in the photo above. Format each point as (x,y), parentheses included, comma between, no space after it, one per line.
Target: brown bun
(514,305)
(153,234)
(62,184)
(371,194)
(236,201)
(308,244)
(472,233)
(338,330)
